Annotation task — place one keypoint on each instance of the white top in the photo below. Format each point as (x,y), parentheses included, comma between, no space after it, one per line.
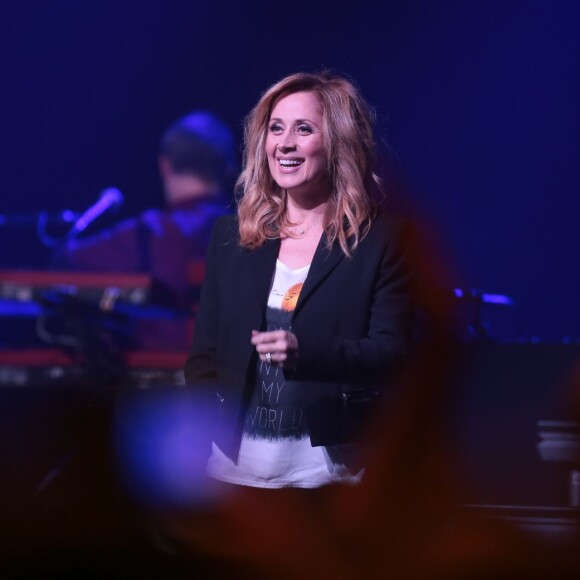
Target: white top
(275,449)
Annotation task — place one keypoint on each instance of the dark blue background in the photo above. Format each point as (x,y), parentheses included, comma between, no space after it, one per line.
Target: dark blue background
(479,100)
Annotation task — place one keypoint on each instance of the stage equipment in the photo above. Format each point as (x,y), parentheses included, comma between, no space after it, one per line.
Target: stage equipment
(560,441)
(23,287)
(110,199)
(48,368)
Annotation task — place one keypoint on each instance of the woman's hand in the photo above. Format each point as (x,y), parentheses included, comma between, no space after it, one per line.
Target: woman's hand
(277,347)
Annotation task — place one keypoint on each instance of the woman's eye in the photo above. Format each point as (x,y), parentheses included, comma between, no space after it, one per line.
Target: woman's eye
(276,128)
(304,129)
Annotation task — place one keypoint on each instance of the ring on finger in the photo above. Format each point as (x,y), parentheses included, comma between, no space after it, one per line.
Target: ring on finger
(268,358)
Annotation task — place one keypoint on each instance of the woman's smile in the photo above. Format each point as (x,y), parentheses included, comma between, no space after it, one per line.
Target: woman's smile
(289,165)
(295,145)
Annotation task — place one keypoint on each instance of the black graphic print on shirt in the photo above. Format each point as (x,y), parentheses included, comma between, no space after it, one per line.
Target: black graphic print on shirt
(275,412)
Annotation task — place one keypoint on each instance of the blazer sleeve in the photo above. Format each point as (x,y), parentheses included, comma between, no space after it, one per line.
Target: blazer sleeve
(201,365)
(381,353)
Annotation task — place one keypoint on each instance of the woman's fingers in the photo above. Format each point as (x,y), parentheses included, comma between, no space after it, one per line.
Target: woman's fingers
(269,336)
(272,341)
(275,346)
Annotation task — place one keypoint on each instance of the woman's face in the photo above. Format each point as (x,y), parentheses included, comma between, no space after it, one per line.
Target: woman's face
(295,145)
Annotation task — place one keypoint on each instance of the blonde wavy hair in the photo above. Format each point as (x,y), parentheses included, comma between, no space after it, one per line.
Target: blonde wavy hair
(350,153)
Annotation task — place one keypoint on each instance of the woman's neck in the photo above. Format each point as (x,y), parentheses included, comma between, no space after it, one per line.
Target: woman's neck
(306,212)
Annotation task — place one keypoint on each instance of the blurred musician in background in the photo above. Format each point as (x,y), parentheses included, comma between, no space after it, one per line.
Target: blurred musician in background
(197,162)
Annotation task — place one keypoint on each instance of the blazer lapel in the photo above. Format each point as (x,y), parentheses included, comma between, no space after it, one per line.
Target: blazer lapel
(322,265)
(258,269)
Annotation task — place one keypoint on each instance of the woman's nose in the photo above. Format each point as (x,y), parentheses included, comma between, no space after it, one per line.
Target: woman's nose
(286,142)
(286,147)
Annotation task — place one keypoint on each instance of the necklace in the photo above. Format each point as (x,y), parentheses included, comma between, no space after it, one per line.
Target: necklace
(301,231)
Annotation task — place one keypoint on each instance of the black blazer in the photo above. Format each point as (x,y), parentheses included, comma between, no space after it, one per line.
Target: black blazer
(352,321)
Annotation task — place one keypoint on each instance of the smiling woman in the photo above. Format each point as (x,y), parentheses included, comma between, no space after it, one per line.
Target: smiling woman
(342,122)
(298,352)
(295,148)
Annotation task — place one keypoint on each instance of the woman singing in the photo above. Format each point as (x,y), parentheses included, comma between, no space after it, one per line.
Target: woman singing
(305,312)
